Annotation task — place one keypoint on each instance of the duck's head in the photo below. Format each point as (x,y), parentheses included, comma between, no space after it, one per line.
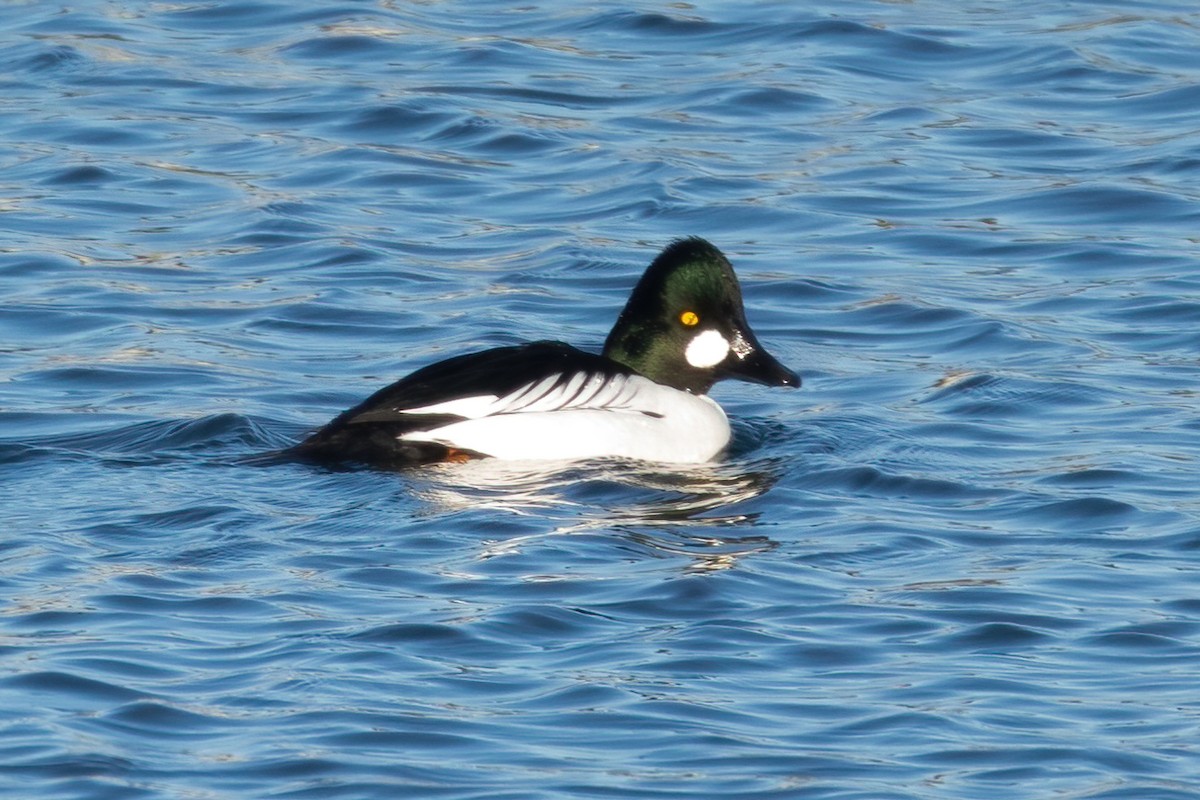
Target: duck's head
(684,325)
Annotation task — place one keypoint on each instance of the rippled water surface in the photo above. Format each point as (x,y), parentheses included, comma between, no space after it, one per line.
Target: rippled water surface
(962,562)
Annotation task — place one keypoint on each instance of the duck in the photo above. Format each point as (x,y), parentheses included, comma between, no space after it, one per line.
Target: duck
(643,397)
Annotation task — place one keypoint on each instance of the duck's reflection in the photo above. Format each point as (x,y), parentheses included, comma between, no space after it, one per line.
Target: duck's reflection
(664,510)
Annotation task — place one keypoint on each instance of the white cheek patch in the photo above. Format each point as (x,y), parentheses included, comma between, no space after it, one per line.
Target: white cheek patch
(707,349)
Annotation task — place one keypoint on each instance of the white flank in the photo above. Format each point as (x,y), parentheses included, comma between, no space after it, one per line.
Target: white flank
(625,416)
(707,349)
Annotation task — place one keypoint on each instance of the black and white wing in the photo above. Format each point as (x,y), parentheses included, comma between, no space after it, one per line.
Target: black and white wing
(559,391)
(529,378)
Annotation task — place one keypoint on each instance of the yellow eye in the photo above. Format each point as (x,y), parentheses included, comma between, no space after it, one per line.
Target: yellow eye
(689,318)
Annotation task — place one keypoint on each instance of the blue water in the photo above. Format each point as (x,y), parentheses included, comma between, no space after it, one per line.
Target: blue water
(962,562)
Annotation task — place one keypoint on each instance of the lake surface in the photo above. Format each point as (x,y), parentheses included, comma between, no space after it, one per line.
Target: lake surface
(963,561)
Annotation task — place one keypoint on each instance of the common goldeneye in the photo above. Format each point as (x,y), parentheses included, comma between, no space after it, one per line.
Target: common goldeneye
(645,397)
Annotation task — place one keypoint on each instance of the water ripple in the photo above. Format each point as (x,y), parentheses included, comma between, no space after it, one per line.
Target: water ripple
(960,562)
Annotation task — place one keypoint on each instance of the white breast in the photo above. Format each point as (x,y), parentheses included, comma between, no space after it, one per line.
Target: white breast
(587,416)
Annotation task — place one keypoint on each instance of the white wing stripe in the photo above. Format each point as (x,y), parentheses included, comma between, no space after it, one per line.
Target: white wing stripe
(595,384)
(608,391)
(526,395)
(469,407)
(560,397)
(628,390)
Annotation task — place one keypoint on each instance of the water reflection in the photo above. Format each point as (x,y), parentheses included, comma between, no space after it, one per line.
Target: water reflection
(662,509)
